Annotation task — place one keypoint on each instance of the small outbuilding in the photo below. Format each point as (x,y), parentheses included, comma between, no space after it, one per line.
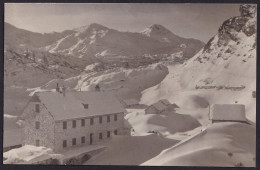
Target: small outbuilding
(161,106)
(129,102)
(228,113)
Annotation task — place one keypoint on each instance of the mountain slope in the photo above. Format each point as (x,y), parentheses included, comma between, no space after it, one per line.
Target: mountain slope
(229,54)
(97,40)
(20,38)
(224,71)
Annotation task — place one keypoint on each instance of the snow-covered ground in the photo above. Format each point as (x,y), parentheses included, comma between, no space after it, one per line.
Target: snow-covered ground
(165,124)
(26,153)
(130,150)
(221,144)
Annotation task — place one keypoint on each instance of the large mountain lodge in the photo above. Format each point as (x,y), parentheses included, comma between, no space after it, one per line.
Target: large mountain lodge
(60,120)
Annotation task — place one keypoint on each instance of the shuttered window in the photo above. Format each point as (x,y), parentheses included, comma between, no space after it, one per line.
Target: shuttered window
(64,125)
(82,122)
(115,132)
(91,121)
(100,136)
(100,119)
(83,139)
(37,125)
(64,144)
(74,141)
(74,123)
(37,108)
(108,134)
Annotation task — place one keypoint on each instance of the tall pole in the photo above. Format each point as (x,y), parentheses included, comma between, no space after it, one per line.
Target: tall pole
(209,111)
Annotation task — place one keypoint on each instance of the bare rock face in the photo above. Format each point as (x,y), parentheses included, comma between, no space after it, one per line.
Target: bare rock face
(247,10)
(235,33)
(230,28)
(245,22)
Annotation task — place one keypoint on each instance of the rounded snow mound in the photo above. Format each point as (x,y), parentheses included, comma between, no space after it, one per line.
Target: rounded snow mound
(231,144)
(165,123)
(25,154)
(194,101)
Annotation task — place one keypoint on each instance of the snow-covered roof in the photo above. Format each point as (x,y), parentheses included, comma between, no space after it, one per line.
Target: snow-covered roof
(232,112)
(130,101)
(161,104)
(175,105)
(165,101)
(71,105)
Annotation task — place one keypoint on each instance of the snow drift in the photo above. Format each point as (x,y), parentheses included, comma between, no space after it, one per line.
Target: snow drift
(221,144)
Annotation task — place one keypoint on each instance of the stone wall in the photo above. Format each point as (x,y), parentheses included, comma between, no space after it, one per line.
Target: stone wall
(46,131)
(78,132)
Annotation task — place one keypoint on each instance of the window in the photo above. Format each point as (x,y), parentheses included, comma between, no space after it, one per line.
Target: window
(91,121)
(83,139)
(100,119)
(74,123)
(64,125)
(37,142)
(64,144)
(85,106)
(74,141)
(115,117)
(37,108)
(37,125)
(108,118)
(91,138)
(108,134)
(115,132)
(100,136)
(82,122)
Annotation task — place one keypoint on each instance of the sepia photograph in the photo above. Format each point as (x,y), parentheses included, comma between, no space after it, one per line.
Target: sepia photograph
(138,84)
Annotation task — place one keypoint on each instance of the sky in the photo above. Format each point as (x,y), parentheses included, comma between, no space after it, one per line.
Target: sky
(199,21)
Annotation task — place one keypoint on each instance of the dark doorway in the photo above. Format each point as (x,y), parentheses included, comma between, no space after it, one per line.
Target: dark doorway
(91,139)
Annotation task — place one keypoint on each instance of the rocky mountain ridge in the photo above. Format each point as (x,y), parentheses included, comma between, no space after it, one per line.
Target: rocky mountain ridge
(97,40)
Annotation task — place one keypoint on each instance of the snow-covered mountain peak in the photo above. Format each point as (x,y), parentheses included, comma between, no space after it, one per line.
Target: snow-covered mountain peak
(92,28)
(97,27)
(155,29)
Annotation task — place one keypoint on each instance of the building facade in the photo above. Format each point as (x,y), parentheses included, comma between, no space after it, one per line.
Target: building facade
(61,121)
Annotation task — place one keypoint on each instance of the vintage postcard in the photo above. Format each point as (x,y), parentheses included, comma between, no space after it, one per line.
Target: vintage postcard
(165,84)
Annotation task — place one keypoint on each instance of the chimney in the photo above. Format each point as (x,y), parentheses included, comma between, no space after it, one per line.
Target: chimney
(57,88)
(63,90)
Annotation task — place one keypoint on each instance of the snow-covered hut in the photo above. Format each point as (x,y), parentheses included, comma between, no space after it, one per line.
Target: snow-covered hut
(60,121)
(228,113)
(160,106)
(129,102)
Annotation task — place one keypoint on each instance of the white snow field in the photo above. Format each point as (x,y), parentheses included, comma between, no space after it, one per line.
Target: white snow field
(124,83)
(164,124)
(221,144)
(26,153)
(130,150)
